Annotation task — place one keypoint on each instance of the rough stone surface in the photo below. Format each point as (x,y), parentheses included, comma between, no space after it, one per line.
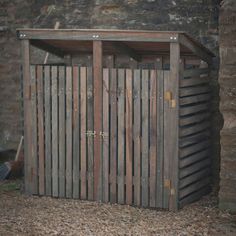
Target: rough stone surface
(227,79)
(198,17)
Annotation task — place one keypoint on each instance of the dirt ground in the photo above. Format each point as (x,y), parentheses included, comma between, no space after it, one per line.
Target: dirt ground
(24,215)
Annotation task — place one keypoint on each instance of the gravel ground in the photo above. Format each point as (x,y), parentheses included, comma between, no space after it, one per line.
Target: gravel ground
(24,215)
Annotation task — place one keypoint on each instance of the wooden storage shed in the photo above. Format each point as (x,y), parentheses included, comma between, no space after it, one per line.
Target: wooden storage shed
(124,118)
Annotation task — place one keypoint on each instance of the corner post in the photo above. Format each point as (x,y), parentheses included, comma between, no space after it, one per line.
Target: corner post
(97,75)
(171,126)
(25,47)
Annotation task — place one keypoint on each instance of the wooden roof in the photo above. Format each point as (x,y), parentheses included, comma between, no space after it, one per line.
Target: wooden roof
(135,43)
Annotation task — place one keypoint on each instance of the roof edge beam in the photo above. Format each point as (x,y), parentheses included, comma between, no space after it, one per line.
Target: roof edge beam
(195,49)
(123,48)
(48,48)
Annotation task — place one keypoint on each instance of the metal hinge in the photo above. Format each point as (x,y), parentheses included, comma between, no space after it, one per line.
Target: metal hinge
(167,184)
(169,98)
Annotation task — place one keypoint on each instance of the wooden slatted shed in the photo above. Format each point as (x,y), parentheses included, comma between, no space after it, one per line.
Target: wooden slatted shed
(125,120)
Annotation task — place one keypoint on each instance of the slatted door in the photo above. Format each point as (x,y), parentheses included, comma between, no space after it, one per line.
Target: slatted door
(131,169)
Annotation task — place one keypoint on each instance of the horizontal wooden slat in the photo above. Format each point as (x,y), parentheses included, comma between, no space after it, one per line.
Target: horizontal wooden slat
(196,72)
(194,99)
(194,81)
(194,177)
(194,128)
(194,158)
(194,168)
(195,138)
(194,109)
(194,148)
(194,187)
(195,196)
(190,91)
(194,118)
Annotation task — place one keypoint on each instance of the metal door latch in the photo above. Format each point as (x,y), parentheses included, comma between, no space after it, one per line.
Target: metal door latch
(169,98)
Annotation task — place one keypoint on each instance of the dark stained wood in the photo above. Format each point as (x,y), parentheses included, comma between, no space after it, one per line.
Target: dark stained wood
(153,136)
(83,118)
(195,99)
(190,91)
(194,81)
(194,129)
(145,138)
(137,137)
(41,160)
(121,137)
(34,134)
(97,74)
(48,128)
(196,72)
(76,136)
(194,118)
(90,138)
(55,177)
(113,133)
(27,115)
(68,132)
(105,146)
(62,131)
(194,109)
(129,136)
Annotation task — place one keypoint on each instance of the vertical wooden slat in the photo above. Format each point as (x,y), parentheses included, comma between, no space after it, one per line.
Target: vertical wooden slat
(83,117)
(113,132)
(90,130)
(121,135)
(76,130)
(145,151)
(160,137)
(62,132)
(173,125)
(54,132)
(27,115)
(34,133)
(153,137)
(97,74)
(40,129)
(129,141)
(69,132)
(137,136)
(48,145)
(105,135)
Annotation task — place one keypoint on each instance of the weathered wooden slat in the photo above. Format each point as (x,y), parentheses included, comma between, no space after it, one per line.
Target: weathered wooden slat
(195,196)
(34,134)
(90,130)
(105,135)
(194,118)
(196,72)
(48,127)
(137,137)
(62,131)
(194,109)
(194,128)
(27,116)
(40,113)
(68,132)
(55,177)
(194,81)
(195,138)
(76,136)
(195,99)
(194,177)
(190,91)
(194,158)
(129,136)
(121,136)
(194,148)
(194,187)
(83,118)
(153,137)
(194,167)
(145,138)
(97,74)
(160,137)
(113,130)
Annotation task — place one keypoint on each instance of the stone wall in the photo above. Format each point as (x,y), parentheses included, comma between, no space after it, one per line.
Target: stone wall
(198,17)
(227,79)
